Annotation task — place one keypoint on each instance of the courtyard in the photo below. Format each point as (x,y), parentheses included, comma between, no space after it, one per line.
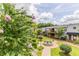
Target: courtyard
(54,49)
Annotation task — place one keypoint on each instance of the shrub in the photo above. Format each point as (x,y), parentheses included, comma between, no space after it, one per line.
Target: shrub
(63,37)
(40,37)
(76,42)
(16,31)
(40,48)
(39,32)
(66,49)
(34,45)
(45,33)
(33,40)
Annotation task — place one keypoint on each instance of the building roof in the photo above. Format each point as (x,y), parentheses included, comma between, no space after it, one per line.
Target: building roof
(73,33)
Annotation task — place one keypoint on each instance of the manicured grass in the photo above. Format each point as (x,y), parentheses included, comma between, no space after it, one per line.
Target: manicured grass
(56,52)
(75,51)
(46,39)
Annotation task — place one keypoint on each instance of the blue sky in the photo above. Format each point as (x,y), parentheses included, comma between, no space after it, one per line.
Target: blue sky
(58,10)
(57,13)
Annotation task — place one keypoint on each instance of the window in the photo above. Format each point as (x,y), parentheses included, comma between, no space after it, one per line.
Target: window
(74,27)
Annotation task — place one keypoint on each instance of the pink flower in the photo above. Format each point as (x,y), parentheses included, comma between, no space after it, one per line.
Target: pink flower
(7,18)
(33,17)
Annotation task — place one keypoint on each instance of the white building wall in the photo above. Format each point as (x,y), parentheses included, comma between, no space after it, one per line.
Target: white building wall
(70,28)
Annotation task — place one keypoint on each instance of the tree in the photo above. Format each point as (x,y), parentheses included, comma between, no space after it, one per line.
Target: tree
(16,32)
(40,25)
(60,31)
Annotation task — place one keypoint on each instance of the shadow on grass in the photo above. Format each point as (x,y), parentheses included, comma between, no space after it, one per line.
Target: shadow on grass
(62,54)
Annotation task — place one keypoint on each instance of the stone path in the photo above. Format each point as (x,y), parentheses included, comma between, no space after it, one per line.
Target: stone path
(47,49)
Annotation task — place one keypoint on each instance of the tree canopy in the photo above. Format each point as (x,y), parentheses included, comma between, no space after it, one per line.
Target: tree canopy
(40,25)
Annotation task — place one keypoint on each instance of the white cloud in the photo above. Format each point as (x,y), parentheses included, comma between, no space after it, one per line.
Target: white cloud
(56,22)
(33,10)
(29,7)
(61,8)
(20,5)
(76,12)
(65,18)
(70,19)
(45,15)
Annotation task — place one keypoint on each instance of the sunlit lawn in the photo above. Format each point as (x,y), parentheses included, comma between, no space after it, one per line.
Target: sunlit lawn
(46,39)
(75,51)
(56,51)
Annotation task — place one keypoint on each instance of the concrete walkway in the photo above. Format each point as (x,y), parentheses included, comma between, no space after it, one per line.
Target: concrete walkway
(47,49)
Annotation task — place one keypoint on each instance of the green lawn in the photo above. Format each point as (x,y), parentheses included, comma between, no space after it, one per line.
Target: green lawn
(46,39)
(56,52)
(75,51)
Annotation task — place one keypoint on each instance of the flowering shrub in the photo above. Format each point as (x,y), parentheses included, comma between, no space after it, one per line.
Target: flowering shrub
(7,18)
(17,32)
(40,48)
(1,31)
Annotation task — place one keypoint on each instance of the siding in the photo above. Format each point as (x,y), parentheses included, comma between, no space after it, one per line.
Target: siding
(71,29)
